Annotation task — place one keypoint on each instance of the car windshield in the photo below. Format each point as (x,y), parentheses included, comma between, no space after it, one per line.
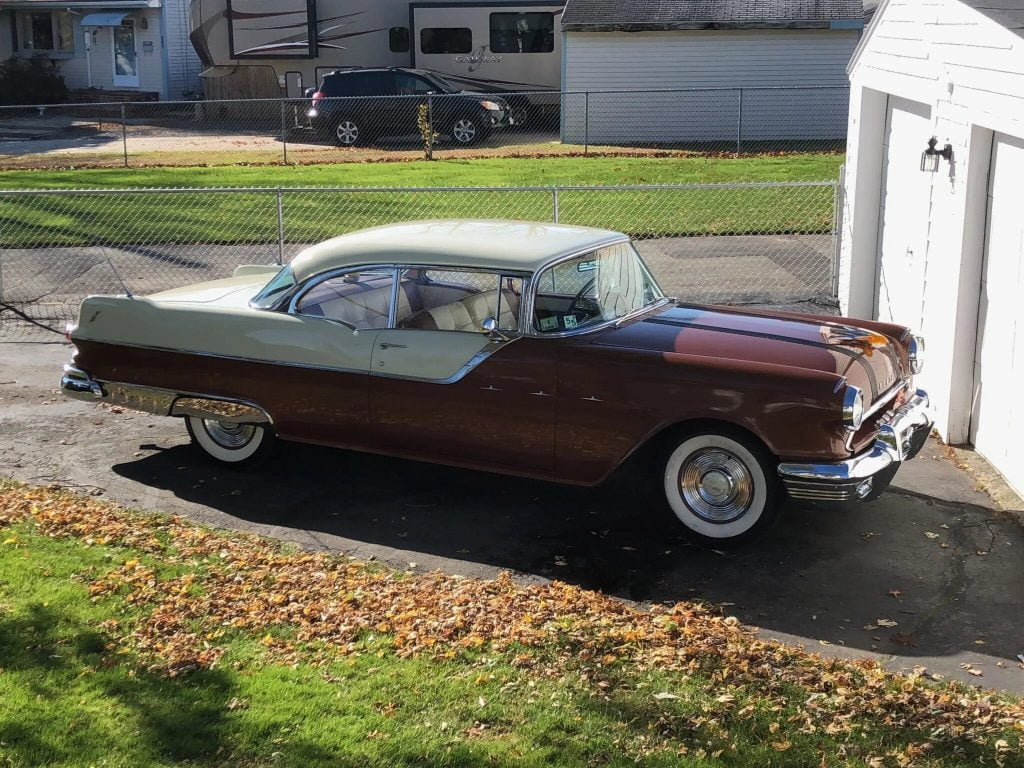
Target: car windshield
(595,288)
(275,289)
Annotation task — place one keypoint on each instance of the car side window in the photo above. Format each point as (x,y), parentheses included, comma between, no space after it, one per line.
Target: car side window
(410,85)
(457,300)
(360,300)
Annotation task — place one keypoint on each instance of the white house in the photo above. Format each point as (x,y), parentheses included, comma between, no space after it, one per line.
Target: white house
(755,62)
(120,45)
(936,241)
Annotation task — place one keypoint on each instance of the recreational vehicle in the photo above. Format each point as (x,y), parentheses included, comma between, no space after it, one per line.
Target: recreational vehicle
(271,48)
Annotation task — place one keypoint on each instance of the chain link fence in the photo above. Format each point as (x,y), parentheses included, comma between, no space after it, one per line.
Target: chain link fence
(767,243)
(347,129)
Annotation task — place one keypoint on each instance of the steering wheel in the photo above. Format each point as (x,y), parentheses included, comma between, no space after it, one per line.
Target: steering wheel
(578,302)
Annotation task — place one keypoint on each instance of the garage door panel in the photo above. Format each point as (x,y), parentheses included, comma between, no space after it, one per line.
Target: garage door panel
(997,421)
(904,214)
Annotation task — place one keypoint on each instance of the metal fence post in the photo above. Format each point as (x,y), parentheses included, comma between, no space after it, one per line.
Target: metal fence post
(284,131)
(739,121)
(586,122)
(124,135)
(554,204)
(280,227)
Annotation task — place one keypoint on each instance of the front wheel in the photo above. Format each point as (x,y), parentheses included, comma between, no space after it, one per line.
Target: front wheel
(230,443)
(722,486)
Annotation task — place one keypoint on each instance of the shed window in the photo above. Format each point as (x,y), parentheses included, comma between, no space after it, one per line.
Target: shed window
(522,32)
(446,40)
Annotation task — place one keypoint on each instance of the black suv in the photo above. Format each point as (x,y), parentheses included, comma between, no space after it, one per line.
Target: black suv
(348,106)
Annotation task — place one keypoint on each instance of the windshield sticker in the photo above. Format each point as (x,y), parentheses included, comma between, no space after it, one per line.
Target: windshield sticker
(587,266)
(548,323)
(570,321)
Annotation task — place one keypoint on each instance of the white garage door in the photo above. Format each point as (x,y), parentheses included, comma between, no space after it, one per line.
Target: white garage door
(997,423)
(903,218)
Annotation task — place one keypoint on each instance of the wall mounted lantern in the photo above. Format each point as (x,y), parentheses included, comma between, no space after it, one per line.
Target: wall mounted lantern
(930,157)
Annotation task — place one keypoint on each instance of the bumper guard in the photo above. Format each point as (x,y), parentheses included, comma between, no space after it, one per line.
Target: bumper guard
(866,475)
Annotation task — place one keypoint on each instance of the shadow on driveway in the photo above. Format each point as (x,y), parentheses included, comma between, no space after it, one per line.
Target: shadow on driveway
(950,574)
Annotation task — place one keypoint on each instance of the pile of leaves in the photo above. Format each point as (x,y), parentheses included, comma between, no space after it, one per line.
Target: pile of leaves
(192,586)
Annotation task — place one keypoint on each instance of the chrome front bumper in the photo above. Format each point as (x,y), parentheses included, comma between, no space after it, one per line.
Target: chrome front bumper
(866,475)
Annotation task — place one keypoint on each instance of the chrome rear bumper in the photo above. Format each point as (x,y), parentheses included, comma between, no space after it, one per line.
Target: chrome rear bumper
(866,475)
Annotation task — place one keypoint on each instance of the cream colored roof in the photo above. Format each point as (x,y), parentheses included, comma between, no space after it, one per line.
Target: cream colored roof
(521,246)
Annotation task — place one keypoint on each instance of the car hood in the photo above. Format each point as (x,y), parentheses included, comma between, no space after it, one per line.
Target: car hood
(228,292)
(864,358)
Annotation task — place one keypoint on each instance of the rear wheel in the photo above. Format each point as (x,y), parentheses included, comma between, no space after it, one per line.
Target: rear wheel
(230,443)
(467,130)
(722,486)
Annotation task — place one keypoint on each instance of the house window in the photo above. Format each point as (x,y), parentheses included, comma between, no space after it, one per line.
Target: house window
(446,40)
(47,32)
(522,32)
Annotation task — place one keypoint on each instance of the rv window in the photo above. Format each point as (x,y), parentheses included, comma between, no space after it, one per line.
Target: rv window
(522,32)
(446,40)
(398,39)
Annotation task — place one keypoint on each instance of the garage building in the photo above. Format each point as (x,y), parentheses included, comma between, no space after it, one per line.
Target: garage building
(773,70)
(934,239)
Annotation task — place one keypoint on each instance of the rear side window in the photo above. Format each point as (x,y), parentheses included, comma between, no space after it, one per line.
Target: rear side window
(359,300)
(522,32)
(360,84)
(446,40)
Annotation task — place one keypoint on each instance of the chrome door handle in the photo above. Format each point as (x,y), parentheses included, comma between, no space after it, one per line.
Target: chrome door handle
(388,345)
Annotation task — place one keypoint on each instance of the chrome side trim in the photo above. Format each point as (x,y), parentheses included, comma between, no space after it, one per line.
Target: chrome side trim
(897,441)
(462,372)
(226,411)
(79,385)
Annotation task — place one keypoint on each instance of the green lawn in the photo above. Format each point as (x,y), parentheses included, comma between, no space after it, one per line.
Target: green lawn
(450,173)
(163,218)
(130,640)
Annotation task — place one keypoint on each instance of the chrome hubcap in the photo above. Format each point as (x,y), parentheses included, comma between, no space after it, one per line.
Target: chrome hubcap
(464,131)
(347,132)
(229,435)
(716,485)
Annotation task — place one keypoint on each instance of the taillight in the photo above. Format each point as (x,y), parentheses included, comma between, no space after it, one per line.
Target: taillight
(69,328)
(317,98)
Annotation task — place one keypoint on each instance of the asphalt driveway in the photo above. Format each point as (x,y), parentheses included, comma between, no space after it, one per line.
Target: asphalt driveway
(929,575)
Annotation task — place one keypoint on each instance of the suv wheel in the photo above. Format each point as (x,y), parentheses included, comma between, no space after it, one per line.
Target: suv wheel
(347,133)
(466,130)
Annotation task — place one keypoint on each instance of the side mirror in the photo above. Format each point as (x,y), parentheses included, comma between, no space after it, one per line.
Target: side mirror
(490,326)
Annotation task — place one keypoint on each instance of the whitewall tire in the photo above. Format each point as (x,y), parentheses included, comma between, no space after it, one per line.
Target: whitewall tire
(229,443)
(722,487)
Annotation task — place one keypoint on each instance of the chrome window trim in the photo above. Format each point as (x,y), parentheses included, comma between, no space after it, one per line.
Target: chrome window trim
(534,287)
(303,288)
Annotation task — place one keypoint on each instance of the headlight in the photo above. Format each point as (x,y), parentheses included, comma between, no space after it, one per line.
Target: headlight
(853,407)
(916,354)
(491,106)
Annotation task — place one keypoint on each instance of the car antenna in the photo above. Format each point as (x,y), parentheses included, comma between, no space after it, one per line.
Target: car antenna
(117,274)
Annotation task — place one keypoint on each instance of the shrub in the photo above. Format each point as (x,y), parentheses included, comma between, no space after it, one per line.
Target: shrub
(31,81)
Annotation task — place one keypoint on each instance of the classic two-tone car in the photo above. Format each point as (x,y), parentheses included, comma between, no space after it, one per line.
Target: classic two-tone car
(529,349)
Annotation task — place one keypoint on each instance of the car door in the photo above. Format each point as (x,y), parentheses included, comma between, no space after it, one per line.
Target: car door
(414,92)
(441,390)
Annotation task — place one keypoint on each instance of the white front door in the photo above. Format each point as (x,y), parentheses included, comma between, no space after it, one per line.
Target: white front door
(997,419)
(126,58)
(903,217)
